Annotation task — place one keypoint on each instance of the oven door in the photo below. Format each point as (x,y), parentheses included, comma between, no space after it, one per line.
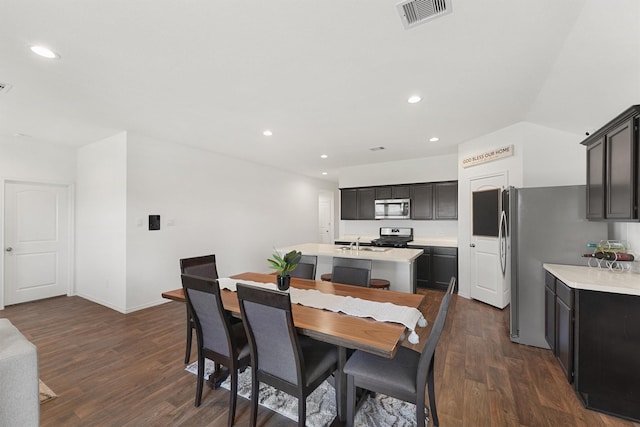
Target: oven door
(393,209)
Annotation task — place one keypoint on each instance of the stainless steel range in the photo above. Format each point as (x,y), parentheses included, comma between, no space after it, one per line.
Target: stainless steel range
(394,237)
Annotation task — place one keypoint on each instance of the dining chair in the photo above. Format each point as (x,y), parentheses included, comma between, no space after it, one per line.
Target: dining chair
(404,377)
(306,268)
(218,338)
(294,364)
(350,271)
(204,266)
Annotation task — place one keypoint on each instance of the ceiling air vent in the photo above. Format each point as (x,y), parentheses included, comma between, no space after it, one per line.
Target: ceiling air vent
(376,148)
(4,87)
(416,12)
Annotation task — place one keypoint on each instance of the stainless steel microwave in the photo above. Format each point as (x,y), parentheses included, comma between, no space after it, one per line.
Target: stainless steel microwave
(393,209)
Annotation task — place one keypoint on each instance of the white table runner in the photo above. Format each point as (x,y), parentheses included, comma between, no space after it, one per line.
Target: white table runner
(358,307)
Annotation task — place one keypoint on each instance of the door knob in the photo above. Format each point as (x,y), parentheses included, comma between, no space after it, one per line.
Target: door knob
(9,249)
(472,245)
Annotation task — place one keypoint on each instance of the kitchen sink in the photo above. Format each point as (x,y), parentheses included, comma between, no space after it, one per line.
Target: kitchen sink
(362,248)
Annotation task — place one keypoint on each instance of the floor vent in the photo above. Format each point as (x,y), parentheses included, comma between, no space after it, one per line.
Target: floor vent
(4,87)
(416,12)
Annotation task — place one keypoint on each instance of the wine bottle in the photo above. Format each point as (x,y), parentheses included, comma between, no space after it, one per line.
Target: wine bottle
(623,256)
(607,256)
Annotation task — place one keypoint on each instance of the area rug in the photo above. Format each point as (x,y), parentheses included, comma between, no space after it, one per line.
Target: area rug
(46,394)
(381,411)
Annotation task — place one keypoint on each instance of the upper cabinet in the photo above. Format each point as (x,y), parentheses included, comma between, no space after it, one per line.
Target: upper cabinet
(357,203)
(429,200)
(422,201)
(445,200)
(612,169)
(393,192)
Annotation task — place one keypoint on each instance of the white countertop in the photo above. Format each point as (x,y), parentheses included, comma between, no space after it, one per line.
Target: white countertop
(596,279)
(448,242)
(372,253)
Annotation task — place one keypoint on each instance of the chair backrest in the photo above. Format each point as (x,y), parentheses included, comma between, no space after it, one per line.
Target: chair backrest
(306,268)
(272,337)
(426,358)
(204,266)
(351,271)
(212,322)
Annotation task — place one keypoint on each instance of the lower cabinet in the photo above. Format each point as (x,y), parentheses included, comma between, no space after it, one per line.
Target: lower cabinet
(596,338)
(607,370)
(559,322)
(436,266)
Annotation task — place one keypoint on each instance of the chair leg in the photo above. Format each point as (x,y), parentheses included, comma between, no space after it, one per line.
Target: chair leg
(351,400)
(187,354)
(255,390)
(200,379)
(432,397)
(302,411)
(234,395)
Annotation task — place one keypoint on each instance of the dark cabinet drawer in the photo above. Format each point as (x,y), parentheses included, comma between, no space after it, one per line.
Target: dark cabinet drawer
(564,293)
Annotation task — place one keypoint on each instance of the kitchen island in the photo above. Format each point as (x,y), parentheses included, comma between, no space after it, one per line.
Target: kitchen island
(393,264)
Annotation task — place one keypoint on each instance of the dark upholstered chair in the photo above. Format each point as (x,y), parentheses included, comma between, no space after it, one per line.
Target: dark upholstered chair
(204,266)
(306,268)
(404,377)
(294,364)
(351,271)
(218,339)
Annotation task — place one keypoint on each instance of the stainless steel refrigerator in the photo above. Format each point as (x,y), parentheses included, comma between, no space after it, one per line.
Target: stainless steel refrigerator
(541,225)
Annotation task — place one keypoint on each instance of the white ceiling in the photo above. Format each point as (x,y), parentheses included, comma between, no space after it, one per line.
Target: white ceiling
(327,77)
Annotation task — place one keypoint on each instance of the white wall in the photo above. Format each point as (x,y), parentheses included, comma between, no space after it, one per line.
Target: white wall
(25,160)
(232,208)
(101,204)
(425,169)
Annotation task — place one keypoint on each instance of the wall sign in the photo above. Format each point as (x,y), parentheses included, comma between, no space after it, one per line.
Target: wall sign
(488,156)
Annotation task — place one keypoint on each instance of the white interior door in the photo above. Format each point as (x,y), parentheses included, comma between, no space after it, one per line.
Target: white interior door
(36,241)
(325,217)
(487,281)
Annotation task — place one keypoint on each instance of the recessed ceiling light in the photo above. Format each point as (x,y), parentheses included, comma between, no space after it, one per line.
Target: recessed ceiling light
(45,52)
(323,156)
(414,99)
(434,139)
(267,133)
(324,173)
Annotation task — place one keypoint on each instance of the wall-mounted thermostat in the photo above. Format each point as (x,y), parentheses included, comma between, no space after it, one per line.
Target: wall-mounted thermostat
(154,222)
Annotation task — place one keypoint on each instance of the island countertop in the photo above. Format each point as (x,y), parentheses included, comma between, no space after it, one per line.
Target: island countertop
(368,252)
(596,279)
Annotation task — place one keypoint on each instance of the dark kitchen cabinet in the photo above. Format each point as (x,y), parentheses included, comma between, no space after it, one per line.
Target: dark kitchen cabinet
(357,203)
(564,328)
(595,179)
(435,266)
(446,200)
(366,203)
(550,310)
(393,192)
(422,201)
(607,345)
(349,203)
(429,200)
(612,169)
(559,322)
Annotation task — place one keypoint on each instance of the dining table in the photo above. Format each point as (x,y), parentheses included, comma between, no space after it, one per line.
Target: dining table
(342,330)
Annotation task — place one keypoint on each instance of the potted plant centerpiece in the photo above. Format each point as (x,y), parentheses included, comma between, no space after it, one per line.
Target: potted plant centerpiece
(284,265)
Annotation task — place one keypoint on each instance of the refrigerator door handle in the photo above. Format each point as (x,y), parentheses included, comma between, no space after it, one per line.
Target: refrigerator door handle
(502,243)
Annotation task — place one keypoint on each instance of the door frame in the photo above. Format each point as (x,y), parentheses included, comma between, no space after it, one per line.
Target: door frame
(331,196)
(70,187)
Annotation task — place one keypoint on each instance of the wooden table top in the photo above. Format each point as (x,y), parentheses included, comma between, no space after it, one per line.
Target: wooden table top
(381,338)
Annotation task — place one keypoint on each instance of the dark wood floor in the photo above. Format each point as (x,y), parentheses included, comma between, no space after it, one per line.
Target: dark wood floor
(111,369)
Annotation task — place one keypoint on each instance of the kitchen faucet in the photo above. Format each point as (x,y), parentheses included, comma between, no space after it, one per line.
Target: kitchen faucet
(358,243)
